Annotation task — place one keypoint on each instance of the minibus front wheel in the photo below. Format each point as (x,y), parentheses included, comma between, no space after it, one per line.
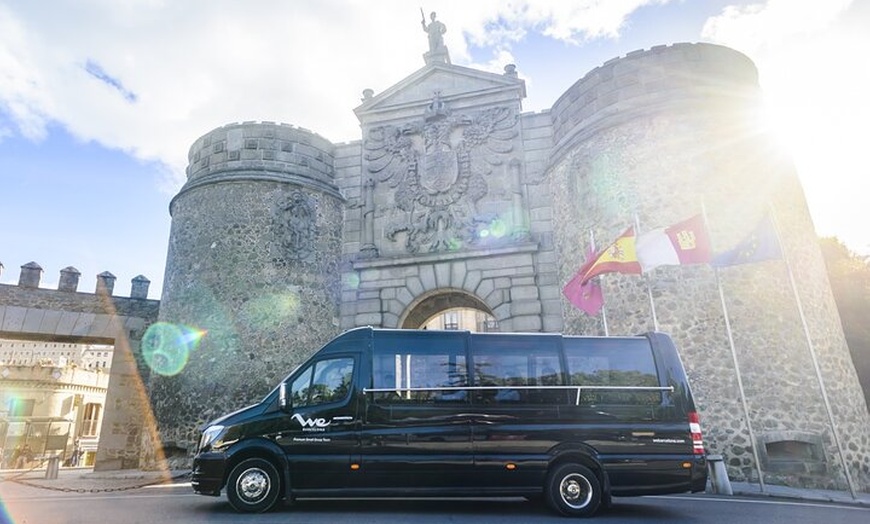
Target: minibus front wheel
(253,486)
(573,490)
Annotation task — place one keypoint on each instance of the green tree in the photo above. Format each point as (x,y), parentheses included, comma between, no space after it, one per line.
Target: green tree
(849,274)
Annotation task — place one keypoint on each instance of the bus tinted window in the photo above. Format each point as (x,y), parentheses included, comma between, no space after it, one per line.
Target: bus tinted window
(332,379)
(612,362)
(507,362)
(412,368)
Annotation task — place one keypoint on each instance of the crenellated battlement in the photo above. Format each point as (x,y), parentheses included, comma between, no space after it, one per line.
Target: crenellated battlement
(31,276)
(261,150)
(689,76)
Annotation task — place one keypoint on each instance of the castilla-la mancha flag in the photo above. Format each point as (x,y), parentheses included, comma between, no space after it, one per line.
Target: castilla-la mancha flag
(683,243)
(618,257)
(585,296)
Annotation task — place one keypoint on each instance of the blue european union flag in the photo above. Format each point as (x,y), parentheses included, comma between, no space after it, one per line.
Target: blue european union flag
(761,244)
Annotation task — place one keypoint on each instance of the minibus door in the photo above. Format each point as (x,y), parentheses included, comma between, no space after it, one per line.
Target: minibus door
(320,429)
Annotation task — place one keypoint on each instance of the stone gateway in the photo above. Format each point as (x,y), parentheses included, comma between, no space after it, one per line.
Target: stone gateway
(454,197)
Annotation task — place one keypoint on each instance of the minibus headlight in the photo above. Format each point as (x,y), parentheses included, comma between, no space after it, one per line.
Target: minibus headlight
(210,436)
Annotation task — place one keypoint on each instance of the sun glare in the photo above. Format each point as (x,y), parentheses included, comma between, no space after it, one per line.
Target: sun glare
(815,110)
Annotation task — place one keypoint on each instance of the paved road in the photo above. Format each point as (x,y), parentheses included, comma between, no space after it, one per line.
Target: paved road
(173,504)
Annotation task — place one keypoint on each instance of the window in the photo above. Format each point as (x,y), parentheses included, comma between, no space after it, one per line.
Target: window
(91,420)
(613,362)
(325,381)
(412,370)
(451,320)
(503,361)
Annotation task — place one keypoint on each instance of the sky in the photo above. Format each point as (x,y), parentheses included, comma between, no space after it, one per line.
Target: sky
(100,100)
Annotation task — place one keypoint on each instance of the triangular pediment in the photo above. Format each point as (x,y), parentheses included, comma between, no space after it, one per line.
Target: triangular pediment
(457,84)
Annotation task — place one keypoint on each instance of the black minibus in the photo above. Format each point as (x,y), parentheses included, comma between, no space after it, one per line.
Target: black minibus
(569,420)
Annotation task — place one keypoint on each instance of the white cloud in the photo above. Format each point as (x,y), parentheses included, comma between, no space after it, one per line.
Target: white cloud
(192,66)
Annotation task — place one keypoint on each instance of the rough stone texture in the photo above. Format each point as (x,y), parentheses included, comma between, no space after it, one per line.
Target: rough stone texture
(253,262)
(679,137)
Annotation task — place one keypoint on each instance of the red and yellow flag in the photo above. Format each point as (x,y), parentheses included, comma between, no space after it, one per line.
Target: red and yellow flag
(618,257)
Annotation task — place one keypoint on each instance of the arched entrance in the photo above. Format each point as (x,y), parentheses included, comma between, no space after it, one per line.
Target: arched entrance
(462,309)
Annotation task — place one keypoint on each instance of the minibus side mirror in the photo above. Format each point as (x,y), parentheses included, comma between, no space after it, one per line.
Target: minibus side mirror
(284,403)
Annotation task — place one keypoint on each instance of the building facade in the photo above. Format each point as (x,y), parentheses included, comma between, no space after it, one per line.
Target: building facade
(455,198)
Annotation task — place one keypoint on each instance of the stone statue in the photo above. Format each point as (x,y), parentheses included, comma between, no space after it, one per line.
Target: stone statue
(436,30)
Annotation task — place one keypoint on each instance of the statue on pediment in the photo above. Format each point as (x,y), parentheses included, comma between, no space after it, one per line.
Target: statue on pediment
(436,31)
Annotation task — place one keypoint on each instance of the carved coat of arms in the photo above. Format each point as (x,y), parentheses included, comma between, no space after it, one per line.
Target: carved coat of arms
(437,171)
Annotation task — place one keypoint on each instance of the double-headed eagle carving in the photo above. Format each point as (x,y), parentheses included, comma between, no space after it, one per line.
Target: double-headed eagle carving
(437,171)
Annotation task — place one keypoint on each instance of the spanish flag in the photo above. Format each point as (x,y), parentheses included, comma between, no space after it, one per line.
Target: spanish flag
(618,257)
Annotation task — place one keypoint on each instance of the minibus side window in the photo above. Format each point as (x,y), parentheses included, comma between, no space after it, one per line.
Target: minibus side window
(505,365)
(414,375)
(613,363)
(324,381)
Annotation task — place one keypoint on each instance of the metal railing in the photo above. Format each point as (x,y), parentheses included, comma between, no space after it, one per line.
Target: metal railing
(579,389)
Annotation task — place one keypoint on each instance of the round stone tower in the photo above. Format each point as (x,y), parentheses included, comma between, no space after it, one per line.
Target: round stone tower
(654,138)
(251,284)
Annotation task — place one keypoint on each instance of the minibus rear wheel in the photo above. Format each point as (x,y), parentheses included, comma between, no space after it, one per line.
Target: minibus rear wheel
(253,486)
(573,490)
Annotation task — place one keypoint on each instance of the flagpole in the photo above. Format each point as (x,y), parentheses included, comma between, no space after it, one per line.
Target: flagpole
(652,304)
(740,382)
(731,344)
(814,358)
(603,307)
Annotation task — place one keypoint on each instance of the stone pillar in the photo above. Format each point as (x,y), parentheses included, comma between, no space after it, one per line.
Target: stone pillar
(69,279)
(139,287)
(252,272)
(105,283)
(31,274)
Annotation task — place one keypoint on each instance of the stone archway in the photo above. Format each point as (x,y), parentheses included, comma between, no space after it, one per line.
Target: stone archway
(440,300)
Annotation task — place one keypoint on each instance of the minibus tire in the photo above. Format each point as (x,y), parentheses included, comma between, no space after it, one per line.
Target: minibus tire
(573,490)
(253,486)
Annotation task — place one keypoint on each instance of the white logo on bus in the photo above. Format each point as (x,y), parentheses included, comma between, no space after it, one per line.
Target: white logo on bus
(311,424)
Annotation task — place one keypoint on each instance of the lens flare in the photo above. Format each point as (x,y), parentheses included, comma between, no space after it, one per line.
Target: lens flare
(166,347)
(270,311)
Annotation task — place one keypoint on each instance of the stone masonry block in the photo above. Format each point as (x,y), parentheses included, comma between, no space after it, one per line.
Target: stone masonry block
(368,306)
(32,320)
(457,274)
(391,320)
(427,277)
(442,274)
(524,281)
(502,283)
(523,293)
(13,318)
(502,310)
(394,306)
(369,294)
(553,324)
(525,307)
(415,286)
(527,324)
(484,288)
(404,296)
(472,280)
(368,319)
